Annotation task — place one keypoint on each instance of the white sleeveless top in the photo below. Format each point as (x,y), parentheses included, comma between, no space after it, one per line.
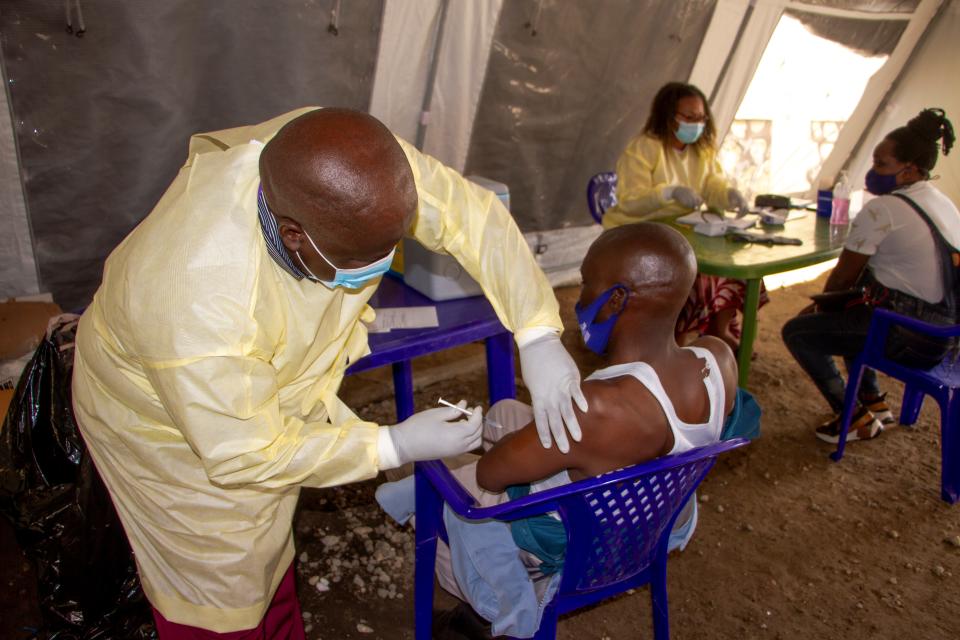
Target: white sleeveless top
(686,436)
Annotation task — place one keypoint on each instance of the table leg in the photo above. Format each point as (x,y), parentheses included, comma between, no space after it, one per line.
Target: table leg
(500,375)
(749,332)
(403,388)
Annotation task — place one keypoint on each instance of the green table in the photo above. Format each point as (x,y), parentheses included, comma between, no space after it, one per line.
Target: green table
(720,256)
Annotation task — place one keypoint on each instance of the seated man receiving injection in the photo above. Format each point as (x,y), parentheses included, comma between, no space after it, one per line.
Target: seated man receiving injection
(652,399)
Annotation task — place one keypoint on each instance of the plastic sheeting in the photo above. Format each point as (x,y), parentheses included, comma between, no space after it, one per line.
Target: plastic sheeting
(103,120)
(18,271)
(874,6)
(406,42)
(925,83)
(866,37)
(61,512)
(567,85)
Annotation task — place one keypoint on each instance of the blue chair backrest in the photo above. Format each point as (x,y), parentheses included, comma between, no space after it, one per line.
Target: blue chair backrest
(616,527)
(617,524)
(601,193)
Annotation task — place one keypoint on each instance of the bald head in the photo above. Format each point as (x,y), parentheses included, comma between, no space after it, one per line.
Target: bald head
(654,260)
(343,176)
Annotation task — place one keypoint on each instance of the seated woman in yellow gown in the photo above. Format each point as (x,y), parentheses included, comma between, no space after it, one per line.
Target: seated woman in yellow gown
(671,168)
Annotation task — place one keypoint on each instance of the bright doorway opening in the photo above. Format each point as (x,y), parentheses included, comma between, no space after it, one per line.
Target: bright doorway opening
(804,90)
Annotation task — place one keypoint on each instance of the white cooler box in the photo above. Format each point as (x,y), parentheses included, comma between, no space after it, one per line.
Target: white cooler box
(440,277)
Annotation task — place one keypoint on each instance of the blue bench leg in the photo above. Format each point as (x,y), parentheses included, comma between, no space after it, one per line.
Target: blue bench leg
(910,408)
(500,372)
(429,514)
(950,449)
(403,389)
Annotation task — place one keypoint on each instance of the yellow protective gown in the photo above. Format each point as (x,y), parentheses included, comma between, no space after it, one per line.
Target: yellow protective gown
(206,376)
(646,167)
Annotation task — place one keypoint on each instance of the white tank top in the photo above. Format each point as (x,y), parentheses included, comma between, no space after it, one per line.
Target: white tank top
(686,436)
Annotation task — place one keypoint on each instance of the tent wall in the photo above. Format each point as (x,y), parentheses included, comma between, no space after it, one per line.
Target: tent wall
(103,120)
(18,271)
(567,85)
(878,86)
(407,42)
(724,66)
(928,80)
(538,94)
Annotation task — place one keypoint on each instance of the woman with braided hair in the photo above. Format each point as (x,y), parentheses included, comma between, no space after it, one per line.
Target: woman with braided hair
(893,252)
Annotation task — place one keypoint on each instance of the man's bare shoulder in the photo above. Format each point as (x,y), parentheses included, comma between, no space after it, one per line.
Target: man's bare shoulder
(625,423)
(727,362)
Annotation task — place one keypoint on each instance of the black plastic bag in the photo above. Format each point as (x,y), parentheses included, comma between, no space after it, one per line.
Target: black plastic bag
(61,512)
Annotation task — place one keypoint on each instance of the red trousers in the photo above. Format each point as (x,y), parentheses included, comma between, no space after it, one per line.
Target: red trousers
(282,621)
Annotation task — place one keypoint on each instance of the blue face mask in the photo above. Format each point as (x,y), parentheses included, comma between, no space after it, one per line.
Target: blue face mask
(349,278)
(879,184)
(596,335)
(689,132)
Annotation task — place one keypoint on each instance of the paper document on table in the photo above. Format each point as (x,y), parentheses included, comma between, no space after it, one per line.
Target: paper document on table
(697,217)
(403,318)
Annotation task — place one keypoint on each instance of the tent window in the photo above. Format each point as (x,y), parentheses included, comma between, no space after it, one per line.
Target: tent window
(810,79)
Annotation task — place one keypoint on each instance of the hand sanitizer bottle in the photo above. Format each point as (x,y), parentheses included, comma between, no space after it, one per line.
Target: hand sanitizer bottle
(840,215)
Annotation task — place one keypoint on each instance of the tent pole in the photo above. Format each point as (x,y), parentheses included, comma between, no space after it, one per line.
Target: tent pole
(733,50)
(431,77)
(21,181)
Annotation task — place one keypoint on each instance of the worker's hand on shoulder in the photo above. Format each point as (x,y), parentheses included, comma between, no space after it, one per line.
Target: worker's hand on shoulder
(684,196)
(552,378)
(435,433)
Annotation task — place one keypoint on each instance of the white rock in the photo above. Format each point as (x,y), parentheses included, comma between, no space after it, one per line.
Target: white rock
(329,541)
(364,628)
(304,557)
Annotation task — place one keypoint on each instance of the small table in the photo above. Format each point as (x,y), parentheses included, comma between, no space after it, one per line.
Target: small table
(461,321)
(721,256)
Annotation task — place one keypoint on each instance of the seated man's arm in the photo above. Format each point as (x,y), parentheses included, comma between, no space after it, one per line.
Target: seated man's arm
(610,440)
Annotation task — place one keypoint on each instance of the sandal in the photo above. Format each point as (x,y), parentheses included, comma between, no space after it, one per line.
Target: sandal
(880,410)
(863,426)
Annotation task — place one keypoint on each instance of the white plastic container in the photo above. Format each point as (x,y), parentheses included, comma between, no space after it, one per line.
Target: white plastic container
(440,277)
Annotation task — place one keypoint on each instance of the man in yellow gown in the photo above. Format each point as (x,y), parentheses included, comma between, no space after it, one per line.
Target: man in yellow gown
(208,364)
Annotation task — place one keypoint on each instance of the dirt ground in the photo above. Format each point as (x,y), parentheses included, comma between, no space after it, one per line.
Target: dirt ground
(789,544)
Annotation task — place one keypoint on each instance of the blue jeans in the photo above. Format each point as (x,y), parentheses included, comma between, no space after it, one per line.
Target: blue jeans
(815,338)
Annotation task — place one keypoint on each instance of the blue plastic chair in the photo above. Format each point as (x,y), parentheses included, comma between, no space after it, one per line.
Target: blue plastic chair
(941,383)
(618,526)
(601,193)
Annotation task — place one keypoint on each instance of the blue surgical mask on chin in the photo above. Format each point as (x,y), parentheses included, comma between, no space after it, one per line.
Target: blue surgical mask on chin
(689,132)
(596,335)
(349,278)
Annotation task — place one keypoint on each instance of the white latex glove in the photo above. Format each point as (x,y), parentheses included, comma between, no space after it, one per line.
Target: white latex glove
(435,433)
(738,202)
(553,380)
(684,196)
